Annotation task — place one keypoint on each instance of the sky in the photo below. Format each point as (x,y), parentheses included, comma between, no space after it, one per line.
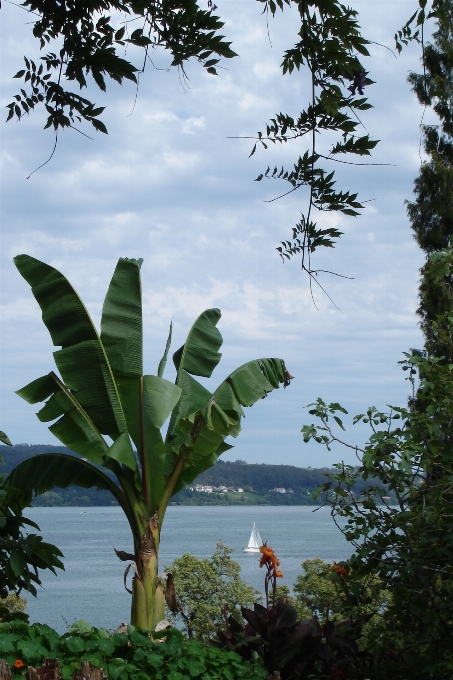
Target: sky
(172,183)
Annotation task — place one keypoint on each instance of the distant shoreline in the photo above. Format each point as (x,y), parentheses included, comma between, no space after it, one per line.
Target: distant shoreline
(225,484)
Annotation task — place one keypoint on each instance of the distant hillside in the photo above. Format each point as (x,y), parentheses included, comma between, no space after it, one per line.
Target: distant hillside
(261,477)
(257,482)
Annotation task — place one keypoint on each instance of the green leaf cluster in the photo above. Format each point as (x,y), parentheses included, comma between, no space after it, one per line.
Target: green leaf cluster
(404,546)
(90,43)
(204,587)
(431,211)
(22,553)
(331,47)
(123,656)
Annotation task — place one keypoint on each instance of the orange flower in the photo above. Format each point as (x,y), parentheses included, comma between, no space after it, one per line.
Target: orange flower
(268,552)
(18,663)
(268,556)
(341,571)
(278,573)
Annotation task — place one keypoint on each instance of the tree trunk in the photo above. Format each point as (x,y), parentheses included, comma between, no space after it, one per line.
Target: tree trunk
(144,582)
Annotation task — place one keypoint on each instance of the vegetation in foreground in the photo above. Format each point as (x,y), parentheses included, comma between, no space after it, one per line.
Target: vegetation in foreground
(392,614)
(204,588)
(123,656)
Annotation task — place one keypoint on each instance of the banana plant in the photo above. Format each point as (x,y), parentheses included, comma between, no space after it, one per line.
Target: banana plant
(105,410)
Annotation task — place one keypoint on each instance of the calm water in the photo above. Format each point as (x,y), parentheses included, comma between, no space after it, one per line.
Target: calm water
(91,587)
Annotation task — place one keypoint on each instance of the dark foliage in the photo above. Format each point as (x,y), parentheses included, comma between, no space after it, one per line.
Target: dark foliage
(406,547)
(84,41)
(297,649)
(129,655)
(22,554)
(431,213)
(72,496)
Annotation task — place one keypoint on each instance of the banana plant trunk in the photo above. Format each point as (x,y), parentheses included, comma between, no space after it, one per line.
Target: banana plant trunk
(147,597)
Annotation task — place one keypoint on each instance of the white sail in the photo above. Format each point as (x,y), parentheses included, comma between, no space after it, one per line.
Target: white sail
(255,541)
(259,542)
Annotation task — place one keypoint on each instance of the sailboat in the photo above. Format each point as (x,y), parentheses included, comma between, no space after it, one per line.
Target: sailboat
(255,541)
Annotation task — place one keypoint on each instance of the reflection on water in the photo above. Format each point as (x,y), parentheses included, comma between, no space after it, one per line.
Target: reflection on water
(91,587)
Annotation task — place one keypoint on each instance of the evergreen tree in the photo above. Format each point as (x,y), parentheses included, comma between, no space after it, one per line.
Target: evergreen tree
(431,213)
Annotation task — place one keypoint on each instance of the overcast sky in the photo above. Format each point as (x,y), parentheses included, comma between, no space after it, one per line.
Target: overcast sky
(170,185)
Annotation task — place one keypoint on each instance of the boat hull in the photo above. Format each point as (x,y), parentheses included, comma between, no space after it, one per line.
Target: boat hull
(252,550)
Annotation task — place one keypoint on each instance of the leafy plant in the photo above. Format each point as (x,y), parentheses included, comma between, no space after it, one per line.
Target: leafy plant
(289,647)
(431,211)
(5,439)
(13,603)
(88,42)
(130,655)
(406,548)
(203,587)
(22,554)
(103,392)
(332,48)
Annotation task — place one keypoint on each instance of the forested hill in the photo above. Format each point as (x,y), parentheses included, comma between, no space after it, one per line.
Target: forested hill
(256,483)
(262,478)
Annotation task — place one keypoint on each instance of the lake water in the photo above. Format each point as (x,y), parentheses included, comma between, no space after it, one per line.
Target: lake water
(91,587)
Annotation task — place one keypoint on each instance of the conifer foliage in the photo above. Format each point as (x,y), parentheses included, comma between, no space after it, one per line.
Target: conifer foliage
(431,212)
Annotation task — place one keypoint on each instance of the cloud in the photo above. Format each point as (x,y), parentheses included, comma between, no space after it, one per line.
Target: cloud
(169,184)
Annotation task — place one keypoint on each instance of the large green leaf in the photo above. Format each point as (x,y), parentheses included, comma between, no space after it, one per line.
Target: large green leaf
(199,435)
(159,399)
(121,323)
(121,451)
(5,439)
(46,471)
(82,361)
(130,392)
(63,311)
(148,401)
(85,372)
(199,355)
(194,396)
(190,473)
(75,429)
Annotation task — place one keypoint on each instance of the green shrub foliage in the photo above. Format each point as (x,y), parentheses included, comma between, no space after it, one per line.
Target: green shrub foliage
(405,548)
(123,656)
(22,554)
(203,587)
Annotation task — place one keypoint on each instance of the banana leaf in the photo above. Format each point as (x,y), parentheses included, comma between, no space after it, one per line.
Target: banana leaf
(75,429)
(203,432)
(199,355)
(159,399)
(121,323)
(4,438)
(194,396)
(82,361)
(63,312)
(46,471)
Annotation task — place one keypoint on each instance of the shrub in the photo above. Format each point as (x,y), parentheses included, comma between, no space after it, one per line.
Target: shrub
(203,587)
(13,603)
(132,655)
